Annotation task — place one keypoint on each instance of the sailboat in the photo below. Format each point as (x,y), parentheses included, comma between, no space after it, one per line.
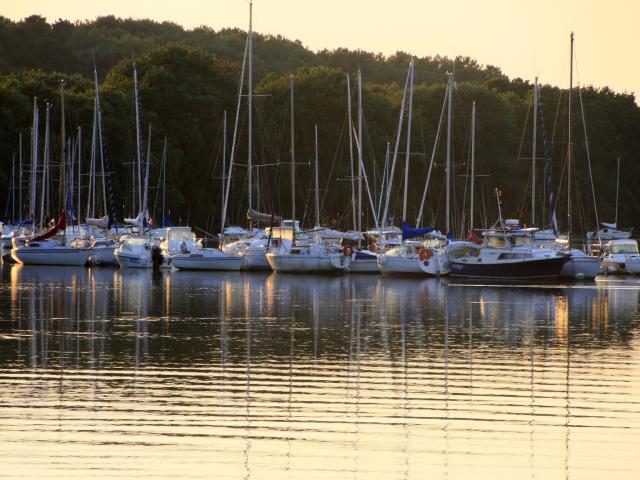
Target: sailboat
(140,249)
(316,257)
(580,265)
(425,257)
(45,249)
(610,231)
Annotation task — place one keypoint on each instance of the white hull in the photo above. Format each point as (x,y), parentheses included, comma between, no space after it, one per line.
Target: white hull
(581,267)
(103,257)
(198,261)
(65,256)
(254,259)
(364,265)
(629,266)
(298,263)
(411,265)
(131,260)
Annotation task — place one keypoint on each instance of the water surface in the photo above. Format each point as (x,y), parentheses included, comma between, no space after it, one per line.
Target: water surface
(131,374)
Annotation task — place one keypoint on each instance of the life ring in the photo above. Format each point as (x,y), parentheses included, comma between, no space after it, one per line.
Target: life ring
(348,251)
(425,254)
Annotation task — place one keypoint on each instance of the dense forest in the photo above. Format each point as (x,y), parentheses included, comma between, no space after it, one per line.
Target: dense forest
(189,78)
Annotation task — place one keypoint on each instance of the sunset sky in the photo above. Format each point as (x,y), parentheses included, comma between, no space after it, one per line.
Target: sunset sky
(524,39)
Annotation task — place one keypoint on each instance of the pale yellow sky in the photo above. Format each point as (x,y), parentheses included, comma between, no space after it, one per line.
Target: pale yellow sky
(522,38)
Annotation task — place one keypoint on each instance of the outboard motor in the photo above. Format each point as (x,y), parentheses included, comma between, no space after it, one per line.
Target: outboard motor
(156,257)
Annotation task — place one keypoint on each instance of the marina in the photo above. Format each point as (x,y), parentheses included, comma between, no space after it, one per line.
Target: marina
(140,374)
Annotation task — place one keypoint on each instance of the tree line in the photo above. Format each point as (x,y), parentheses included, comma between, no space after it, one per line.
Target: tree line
(189,78)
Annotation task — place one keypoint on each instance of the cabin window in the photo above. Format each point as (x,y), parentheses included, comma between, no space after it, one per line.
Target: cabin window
(628,249)
(523,242)
(496,242)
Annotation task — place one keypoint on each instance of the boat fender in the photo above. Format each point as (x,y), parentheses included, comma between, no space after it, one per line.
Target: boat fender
(156,256)
(425,254)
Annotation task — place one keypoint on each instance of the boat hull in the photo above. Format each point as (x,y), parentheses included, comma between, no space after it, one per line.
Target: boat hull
(581,267)
(543,268)
(129,260)
(296,263)
(364,263)
(254,259)
(207,262)
(103,257)
(63,256)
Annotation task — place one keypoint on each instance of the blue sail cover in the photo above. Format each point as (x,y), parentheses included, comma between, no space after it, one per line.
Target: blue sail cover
(408,232)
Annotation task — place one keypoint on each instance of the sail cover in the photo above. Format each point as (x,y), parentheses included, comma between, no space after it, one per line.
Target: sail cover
(408,232)
(257,216)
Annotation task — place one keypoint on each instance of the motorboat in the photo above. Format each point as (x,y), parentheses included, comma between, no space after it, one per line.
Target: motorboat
(506,254)
(620,257)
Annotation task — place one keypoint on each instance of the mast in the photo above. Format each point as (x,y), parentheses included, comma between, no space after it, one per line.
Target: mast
(250,111)
(20,176)
(449,121)
(353,190)
(62,195)
(293,166)
(408,152)
(79,170)
(317,194)
(164,175)
(224,165)
(473,160)
(138,138)
(570,148)
(100,142)
(617,191)
(13,188)
(145,207)
(533,154)
(34,162)
(45,165)
(359,151)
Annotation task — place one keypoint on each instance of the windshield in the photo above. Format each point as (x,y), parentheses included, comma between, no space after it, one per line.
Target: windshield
(496,242)
(136,241)
(624,249)
(523,242)
(181,235)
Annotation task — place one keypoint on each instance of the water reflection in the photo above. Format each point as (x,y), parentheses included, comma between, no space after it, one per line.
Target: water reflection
(131,373)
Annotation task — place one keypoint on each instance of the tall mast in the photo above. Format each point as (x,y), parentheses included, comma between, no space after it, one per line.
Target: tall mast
(250,108)
(359,151)
(473,161)
(224,166)
(34,161)
(353,189)
(533,154)
(91,195)
(100,143)
(408,152)
(63,135)
(45,165)
(79,171)
(317,194)
(293,165)
(13,189)
(164,175)
(617,192)
(145,207)
(569,150)
(138,138)
(20,176)
(449,121)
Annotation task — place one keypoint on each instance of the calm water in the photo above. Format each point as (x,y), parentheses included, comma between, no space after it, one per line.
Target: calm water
(129,374)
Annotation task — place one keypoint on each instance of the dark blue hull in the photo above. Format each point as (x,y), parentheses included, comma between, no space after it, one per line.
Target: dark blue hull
(544,268)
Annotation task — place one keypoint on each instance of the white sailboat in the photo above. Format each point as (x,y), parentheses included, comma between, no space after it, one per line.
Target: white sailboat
(316,257)
(45,249)
(425,257)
